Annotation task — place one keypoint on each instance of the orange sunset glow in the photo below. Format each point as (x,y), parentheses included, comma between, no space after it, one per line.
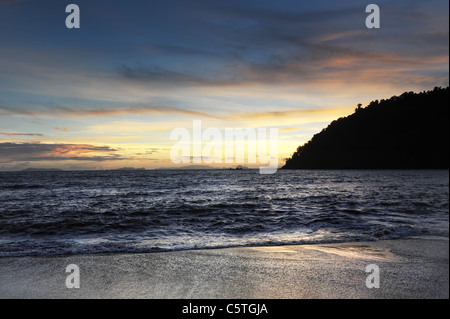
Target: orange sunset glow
(75,99)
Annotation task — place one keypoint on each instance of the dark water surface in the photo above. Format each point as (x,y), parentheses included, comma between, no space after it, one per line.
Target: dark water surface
(48,213)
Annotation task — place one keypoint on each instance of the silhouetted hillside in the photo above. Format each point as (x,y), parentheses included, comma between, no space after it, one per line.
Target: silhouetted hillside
(407,131)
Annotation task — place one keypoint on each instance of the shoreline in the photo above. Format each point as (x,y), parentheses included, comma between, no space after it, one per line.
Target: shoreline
(409,268)
(244,246)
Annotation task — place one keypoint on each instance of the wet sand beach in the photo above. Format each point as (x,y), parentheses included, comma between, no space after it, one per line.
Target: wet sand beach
(409,268)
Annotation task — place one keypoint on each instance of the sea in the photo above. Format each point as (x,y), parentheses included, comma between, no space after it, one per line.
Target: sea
(102,212)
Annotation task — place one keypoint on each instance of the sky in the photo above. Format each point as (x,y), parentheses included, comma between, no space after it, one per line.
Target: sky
(109,94)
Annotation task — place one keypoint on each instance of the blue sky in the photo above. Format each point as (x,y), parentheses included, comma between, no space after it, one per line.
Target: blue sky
(137,69)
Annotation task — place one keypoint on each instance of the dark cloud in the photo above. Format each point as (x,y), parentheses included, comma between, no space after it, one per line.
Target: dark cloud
(155,46)
(275,45)
(173,50)
(312,63)
(158,74)
(31,152)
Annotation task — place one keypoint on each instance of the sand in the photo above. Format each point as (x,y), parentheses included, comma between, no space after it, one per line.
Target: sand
(409,268)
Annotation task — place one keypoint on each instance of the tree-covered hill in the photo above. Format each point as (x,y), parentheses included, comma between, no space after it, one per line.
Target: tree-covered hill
(410,131)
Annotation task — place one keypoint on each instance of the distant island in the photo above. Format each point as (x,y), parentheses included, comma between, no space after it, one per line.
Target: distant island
(410,131)
(187,167)
(203,167)
(33,169)
(129,169)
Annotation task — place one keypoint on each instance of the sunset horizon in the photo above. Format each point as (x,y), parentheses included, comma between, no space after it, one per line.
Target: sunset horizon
(109,94)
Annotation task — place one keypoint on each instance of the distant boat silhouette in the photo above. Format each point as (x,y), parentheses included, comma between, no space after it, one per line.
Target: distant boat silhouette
(239,168)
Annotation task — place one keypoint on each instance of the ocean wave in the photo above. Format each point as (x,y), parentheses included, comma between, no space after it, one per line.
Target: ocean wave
(149,211)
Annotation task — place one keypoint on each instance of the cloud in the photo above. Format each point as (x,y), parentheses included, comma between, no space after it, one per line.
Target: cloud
(236,115)
(21,134)
(239,44)
(150,151)
(308,63)
(59,110)
(61,129)
(228,47)
(170,50)
(289,113)
(31,152)
(155,74)
(289,129)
